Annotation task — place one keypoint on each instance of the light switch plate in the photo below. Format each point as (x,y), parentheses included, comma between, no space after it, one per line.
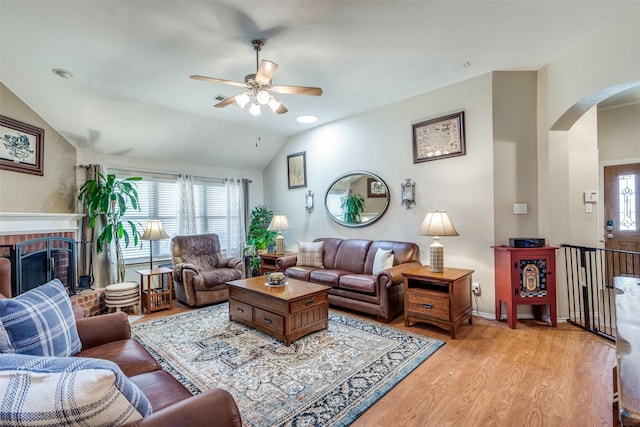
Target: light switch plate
(519,208)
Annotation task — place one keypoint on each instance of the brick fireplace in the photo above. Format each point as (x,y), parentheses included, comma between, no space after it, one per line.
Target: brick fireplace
(45,241)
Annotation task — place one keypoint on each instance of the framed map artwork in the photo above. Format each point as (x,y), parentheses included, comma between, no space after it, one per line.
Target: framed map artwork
(439,138)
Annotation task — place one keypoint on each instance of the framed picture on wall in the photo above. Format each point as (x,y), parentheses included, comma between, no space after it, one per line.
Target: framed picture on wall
(297,170)
(439,138)
(20,146)
(375,188)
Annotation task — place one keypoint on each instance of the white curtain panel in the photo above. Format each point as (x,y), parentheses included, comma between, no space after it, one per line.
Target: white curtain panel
(236,222)
(186,215)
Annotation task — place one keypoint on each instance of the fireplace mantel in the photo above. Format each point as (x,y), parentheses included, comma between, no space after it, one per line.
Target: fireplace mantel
(14,223)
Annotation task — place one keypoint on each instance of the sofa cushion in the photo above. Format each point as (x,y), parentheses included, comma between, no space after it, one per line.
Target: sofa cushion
(358,282)
(215,279)
(160,388)
(326,277)
(67,391)
(128,354)
(310,254)
(39,322)
(382,261)
(351,255)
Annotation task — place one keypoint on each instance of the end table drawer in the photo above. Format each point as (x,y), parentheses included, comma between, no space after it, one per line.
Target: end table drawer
(268,320)
(429,305)
(307,303)
(240,310)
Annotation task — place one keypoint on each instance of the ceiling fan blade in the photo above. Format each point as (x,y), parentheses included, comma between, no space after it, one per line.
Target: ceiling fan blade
(215,80)
(266,70)
(226,101)
(298,90)
(281,109)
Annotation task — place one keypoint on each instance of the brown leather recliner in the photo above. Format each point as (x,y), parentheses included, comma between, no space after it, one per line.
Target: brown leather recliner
(200,272)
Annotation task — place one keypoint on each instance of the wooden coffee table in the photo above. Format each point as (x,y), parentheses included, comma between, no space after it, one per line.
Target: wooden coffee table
(284,312)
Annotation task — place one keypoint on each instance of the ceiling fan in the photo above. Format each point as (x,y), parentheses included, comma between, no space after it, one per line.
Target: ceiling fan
(259,90)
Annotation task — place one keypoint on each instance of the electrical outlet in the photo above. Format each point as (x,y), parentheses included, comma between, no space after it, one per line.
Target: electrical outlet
(475,288)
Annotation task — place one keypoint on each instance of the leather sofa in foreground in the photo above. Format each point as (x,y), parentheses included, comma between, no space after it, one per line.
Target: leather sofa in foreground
(108,337)
(364,275)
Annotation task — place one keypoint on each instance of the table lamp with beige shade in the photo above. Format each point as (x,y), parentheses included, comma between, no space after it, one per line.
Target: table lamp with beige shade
(437,224)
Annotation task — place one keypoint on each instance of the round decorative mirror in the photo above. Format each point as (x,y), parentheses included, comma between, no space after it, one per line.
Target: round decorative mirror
(356,199)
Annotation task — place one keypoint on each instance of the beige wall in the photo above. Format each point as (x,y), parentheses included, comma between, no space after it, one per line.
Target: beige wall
(380,141)
(514,154)
(54,191)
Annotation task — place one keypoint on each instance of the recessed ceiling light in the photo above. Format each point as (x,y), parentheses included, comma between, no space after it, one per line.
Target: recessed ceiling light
(62,73)
(307,118)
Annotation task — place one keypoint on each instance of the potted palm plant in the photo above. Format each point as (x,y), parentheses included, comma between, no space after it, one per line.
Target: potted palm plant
(259,237)
(352,206)
(109,197)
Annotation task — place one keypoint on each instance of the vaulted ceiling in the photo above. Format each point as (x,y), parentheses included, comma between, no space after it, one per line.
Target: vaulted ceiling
(131,94)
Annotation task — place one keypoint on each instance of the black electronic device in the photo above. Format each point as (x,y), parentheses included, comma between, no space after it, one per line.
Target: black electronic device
(526,242)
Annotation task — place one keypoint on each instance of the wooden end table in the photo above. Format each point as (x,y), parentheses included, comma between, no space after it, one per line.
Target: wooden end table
(268,260)
(442,299)
(154,299)
(286,313)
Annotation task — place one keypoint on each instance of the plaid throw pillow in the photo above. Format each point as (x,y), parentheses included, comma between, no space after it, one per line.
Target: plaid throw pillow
(69,391)
(310,254)
(39,322)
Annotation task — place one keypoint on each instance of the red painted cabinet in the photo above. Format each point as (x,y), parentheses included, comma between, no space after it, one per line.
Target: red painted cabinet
(525,276)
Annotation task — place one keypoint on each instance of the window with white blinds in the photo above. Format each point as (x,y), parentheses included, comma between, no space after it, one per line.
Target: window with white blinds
(158,198)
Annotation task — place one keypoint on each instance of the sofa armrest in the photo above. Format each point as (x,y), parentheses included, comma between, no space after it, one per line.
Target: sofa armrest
(183,266)
(285,262)
(98,330)
(232,262)
(212,407)
(393,276)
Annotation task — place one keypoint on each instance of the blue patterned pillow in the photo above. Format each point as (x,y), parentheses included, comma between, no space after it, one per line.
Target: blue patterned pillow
(39,322)
(67,391)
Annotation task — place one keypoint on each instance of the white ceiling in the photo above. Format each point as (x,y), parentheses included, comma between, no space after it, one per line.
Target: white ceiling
(131,61)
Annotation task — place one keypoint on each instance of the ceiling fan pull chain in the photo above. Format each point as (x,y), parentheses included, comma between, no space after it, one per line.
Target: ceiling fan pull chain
(258,138)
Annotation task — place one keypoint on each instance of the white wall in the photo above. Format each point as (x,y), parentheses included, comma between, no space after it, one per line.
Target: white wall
(619,133)
(380,141)
(607,63)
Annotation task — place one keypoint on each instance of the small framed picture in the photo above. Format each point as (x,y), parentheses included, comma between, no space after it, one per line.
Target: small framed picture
(21,146)
(439,138)
(375,188)
(297,170)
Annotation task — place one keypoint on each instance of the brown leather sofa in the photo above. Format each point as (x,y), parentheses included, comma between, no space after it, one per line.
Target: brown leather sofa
(200,272)
(347,268)
(109,337)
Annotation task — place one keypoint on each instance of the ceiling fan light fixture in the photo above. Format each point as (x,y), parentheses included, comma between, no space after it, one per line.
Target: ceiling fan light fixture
(263,97)
(255,109)
(242,99)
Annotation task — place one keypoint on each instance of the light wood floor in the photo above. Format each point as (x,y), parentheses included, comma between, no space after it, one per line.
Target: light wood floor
(491,375)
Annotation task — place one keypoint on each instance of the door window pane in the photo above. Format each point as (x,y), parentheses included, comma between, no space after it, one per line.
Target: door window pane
(627,202)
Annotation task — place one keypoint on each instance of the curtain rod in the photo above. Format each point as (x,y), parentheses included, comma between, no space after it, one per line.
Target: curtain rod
(156,174)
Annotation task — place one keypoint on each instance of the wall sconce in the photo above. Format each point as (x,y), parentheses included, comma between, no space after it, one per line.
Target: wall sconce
(308,201)
(408,193)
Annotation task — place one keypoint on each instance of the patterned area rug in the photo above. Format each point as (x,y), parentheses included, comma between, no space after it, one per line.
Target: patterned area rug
(328,378)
